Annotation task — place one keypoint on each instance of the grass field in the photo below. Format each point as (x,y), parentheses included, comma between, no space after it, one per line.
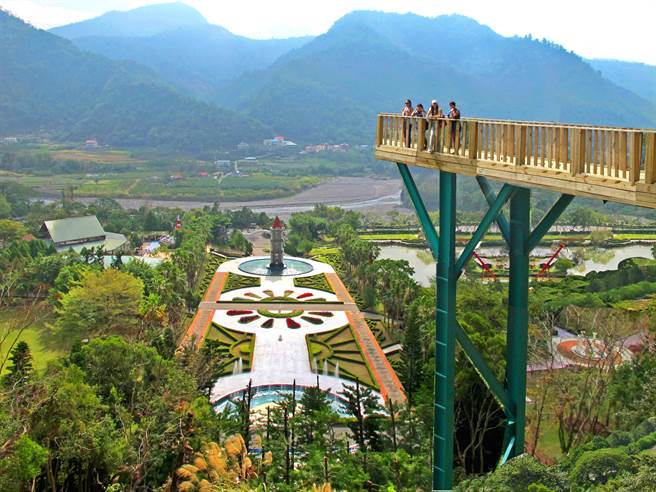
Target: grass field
(151,184)
(43,345)
(97,157)
(635,237)
(389,237)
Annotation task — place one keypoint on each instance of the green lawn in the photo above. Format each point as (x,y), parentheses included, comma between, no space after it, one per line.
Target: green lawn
(324,250)
(389,237)
(43,345)
(637,236)
(548,443)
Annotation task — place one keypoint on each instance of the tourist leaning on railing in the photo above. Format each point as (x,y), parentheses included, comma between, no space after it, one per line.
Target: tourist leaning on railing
(434,112)
(407,127)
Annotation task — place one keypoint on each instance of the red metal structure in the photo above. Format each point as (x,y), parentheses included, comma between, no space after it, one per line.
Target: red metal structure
(487,267)
(546,266)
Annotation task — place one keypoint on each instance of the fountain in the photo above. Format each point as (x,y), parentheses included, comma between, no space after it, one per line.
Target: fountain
(337,369)
(238,367)
(325,367)
(277,264)
(315,364)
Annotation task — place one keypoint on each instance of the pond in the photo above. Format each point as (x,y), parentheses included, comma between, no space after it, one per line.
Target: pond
(591,258)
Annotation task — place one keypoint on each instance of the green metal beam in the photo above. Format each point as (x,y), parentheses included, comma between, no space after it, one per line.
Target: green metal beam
(443,421)
(548,220)
(507,191)
(483,369)
(420,208)
(517,330)
(507,450)
(489,196)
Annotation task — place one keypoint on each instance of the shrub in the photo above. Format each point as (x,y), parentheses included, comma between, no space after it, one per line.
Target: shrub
(318,282)
(521,474)
(597,467)
(234,282)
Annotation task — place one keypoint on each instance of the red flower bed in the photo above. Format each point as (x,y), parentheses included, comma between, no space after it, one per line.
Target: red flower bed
(291,323)
(238,312)
(248,319)
(305,295)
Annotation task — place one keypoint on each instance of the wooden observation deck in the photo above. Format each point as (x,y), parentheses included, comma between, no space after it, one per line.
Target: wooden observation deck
(607,163)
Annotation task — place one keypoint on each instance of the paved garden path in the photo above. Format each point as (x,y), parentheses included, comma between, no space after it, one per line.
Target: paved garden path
(390,386)
(203,319)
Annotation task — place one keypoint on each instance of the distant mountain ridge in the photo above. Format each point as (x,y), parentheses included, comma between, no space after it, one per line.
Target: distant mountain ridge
(50,87)
(331,88)
(637,77)
(178,43)
(142,21)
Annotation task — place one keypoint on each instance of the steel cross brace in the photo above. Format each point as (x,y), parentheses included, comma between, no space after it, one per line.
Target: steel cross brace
(489,196)
(420,208)
(507,191)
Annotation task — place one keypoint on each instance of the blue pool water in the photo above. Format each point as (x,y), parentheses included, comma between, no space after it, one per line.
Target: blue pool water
(270,394)
(260,266)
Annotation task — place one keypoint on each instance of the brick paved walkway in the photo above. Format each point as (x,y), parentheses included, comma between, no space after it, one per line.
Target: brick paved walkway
(388,381)
(203,318)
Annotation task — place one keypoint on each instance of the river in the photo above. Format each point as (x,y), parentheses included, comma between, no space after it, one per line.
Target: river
(593,258)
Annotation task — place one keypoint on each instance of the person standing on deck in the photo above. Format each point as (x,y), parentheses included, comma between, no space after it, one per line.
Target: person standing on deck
(434,113)
(407,127)
(454,114)
(419,112)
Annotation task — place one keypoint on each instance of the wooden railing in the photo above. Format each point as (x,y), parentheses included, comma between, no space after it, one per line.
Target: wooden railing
(623,155)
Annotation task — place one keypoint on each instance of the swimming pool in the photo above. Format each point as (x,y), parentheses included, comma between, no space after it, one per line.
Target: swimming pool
(266,394)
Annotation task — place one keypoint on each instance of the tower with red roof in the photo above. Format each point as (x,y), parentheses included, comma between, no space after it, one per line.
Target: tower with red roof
(277,245)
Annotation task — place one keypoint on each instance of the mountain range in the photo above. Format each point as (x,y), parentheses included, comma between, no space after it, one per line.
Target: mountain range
(163,76)
(179,44)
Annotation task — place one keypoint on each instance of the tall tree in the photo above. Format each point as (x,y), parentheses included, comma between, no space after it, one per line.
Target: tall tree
(105,302)
(20,367)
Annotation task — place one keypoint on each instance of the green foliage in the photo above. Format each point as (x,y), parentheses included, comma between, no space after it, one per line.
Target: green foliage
(20,365)
(234,282)
(517,475)
(10,230)
(597,467)
(238,242)
(22,464)
(5,207)
(105,302)
(318,282)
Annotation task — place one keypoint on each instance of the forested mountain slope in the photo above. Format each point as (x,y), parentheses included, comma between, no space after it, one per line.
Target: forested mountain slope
(51,87)
(179,44)
(368,62)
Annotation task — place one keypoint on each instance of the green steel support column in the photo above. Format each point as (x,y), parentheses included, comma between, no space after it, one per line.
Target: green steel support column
(517,335)
(445,337)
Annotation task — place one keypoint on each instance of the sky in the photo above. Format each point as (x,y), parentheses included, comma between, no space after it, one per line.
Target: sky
(593,29)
